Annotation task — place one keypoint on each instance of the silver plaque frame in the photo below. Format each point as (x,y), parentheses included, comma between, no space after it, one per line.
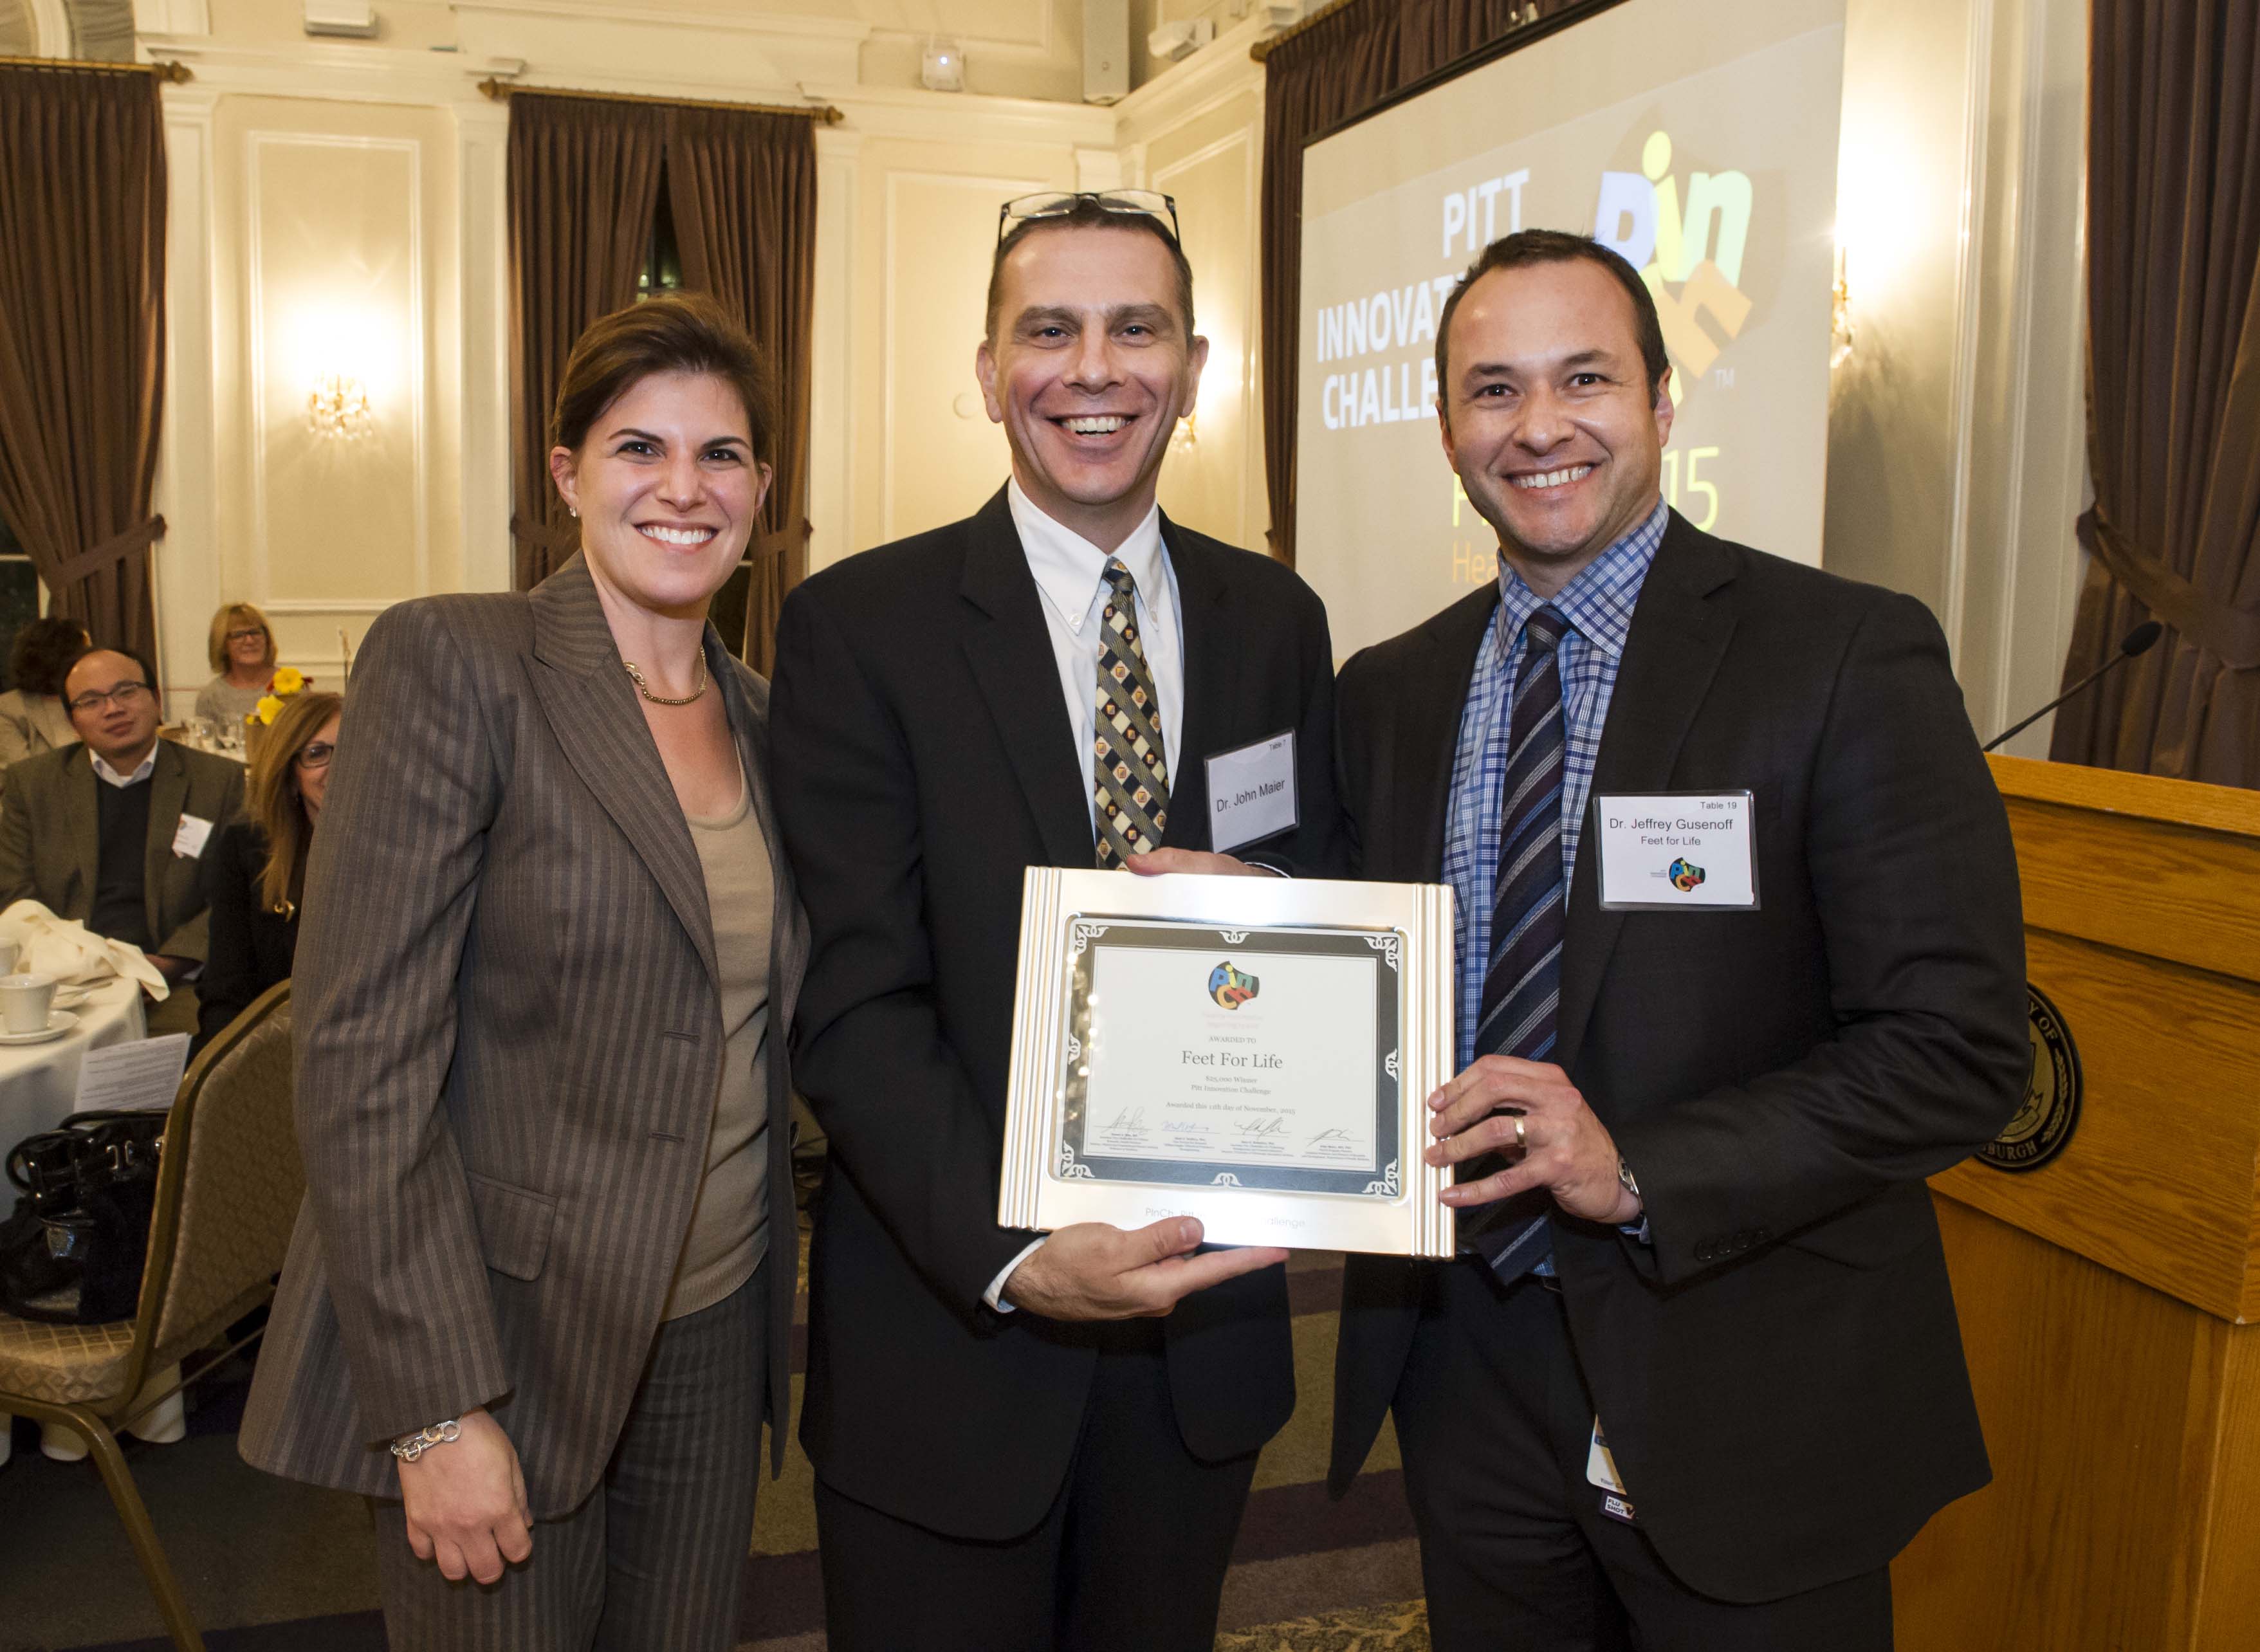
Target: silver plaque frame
(1058,1169)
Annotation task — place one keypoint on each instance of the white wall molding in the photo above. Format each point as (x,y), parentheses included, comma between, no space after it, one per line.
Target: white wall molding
(482,188)
(255,142)
(1978,84)
(833,363)
(329,73)
(1205,81)
(51,29)
(186,582)
(878,111)
(783,25)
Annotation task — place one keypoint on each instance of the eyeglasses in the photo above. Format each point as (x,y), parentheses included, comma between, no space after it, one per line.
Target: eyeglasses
(125,695)
(1058,204)
(316,755)
(240,636)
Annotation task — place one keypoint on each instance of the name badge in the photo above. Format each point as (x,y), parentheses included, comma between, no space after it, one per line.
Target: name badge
(191,837)
(1601,1471)
(1251,793)
(1665,851)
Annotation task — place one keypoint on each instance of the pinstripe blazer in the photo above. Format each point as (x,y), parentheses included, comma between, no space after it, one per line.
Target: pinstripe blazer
(510,1041)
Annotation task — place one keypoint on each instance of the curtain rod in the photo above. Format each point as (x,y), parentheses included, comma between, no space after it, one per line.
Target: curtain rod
(1262,50)
(172,72)
(501,89)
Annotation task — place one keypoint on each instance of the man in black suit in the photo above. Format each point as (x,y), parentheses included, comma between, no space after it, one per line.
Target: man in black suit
(1699,1377)
(1027,1442)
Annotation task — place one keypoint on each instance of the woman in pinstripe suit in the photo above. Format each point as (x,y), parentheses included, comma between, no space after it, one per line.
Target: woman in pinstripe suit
(549,950)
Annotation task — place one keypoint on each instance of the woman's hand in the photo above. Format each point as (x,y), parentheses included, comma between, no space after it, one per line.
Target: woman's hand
(466,1502)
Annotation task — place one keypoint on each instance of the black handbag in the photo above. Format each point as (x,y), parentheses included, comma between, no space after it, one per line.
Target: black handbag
(72,1253)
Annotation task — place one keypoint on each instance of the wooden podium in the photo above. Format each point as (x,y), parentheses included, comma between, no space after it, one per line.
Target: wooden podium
(2107,1296)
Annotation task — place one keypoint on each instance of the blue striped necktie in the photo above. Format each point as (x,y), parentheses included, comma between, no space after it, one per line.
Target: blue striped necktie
(1522,984)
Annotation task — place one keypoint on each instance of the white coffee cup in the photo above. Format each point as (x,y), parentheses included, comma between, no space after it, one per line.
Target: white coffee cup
(24,1001)
(9,951)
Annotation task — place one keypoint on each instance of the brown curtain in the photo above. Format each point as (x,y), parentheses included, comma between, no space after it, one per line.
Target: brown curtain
(742,189)
(583,187)
(82,338)
(2173,316)
(1341,64)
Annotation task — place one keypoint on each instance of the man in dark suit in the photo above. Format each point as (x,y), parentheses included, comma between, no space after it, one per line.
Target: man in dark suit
(1014,1447)
(110,832)
(1696,1377)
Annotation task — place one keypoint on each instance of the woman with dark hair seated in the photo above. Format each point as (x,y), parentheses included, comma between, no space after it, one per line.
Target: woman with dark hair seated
(33,717)
(255,868)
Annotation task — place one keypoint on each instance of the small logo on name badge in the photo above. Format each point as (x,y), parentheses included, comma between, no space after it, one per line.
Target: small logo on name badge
(1685,875)
(1229,987)
(2044,1123)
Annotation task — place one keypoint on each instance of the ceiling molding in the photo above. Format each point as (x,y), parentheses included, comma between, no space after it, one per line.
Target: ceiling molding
(1218,72)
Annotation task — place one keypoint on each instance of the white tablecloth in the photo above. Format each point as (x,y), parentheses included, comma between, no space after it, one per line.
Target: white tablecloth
(39,1081)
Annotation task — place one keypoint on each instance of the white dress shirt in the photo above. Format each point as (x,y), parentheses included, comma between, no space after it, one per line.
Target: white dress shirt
(111,777)
(1068,570)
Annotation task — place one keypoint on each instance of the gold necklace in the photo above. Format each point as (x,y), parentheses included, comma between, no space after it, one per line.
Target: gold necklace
(636,677)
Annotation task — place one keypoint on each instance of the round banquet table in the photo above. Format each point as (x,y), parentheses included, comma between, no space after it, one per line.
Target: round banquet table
(38,1083)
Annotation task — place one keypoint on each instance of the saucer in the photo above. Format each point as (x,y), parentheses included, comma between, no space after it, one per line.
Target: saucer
(71,998)
(59,1022)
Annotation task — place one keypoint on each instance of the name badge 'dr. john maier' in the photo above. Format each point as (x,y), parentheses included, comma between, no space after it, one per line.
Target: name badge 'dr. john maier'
(1256,1052)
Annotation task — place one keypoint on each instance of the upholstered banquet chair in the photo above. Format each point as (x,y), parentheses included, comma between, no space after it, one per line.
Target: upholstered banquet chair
(228,1189)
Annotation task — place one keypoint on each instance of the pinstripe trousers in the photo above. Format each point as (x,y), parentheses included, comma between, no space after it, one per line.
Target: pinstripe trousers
(655,1556)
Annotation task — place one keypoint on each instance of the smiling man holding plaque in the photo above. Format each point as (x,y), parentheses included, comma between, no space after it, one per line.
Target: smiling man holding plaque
(1740,963)
(1025,1442)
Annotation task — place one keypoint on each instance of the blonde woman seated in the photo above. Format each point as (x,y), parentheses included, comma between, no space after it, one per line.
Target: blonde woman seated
(242,652)
(32,716)
(254,870)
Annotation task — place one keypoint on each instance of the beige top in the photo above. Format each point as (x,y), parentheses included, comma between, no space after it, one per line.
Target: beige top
(30,724)
(223,701)
(729,1224)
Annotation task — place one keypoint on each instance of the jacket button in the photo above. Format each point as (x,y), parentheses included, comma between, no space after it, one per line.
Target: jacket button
(1705,1251)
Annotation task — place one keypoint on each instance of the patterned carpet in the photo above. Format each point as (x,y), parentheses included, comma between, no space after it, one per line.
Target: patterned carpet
(273,1567)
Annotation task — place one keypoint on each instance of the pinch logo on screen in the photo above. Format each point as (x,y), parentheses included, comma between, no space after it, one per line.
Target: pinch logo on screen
(1690,255)
(1229,987)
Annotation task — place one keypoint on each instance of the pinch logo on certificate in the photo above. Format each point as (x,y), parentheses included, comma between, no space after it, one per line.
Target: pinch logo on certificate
(1253,1052)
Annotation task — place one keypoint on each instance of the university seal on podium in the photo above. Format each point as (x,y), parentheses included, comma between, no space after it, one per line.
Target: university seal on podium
(2050,1111)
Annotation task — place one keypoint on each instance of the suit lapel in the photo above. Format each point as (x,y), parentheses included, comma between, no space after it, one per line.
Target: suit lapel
(169,796)
(83,823)
(1211,680)
(1680,629)
(1426,725)
(592,712)
(1011,656)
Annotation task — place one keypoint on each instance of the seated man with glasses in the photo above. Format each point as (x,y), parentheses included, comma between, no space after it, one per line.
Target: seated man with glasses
(110,832)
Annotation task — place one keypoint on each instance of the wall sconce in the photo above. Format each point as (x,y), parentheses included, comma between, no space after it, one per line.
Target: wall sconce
(1840,334)
(337,406)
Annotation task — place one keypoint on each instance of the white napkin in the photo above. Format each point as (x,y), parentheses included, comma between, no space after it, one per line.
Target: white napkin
(69,951)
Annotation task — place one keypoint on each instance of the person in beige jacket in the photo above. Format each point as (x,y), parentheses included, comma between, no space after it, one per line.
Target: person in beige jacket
(33,717)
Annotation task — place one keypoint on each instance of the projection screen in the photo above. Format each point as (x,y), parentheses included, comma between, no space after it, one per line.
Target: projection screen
(1699,140)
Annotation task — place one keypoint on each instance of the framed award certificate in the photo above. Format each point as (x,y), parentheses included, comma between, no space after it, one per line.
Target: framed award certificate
(1256,1052)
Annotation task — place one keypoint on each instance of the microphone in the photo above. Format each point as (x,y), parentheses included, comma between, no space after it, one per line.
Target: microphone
(2139,640)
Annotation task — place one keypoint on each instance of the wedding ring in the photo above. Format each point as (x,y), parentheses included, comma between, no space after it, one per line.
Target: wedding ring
(1522,1141)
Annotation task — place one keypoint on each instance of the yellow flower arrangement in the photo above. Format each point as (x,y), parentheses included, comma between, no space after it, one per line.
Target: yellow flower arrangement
(287,681)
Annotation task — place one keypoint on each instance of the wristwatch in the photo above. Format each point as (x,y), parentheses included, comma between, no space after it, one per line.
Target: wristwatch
(1625,1179)
(408,1448)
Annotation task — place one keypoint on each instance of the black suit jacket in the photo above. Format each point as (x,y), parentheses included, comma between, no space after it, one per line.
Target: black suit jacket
(923,761)
(1781,1372)
(250,944)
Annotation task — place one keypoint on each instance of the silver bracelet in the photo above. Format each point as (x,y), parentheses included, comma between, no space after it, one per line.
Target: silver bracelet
(408,1448)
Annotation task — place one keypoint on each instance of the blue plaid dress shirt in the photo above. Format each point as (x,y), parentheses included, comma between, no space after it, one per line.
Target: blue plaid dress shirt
(1597,606)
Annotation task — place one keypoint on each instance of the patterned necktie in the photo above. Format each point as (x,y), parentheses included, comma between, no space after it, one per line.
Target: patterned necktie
(1130,772)
(1522,984)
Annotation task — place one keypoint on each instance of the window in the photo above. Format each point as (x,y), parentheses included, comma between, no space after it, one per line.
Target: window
(19,596)
(662,261)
